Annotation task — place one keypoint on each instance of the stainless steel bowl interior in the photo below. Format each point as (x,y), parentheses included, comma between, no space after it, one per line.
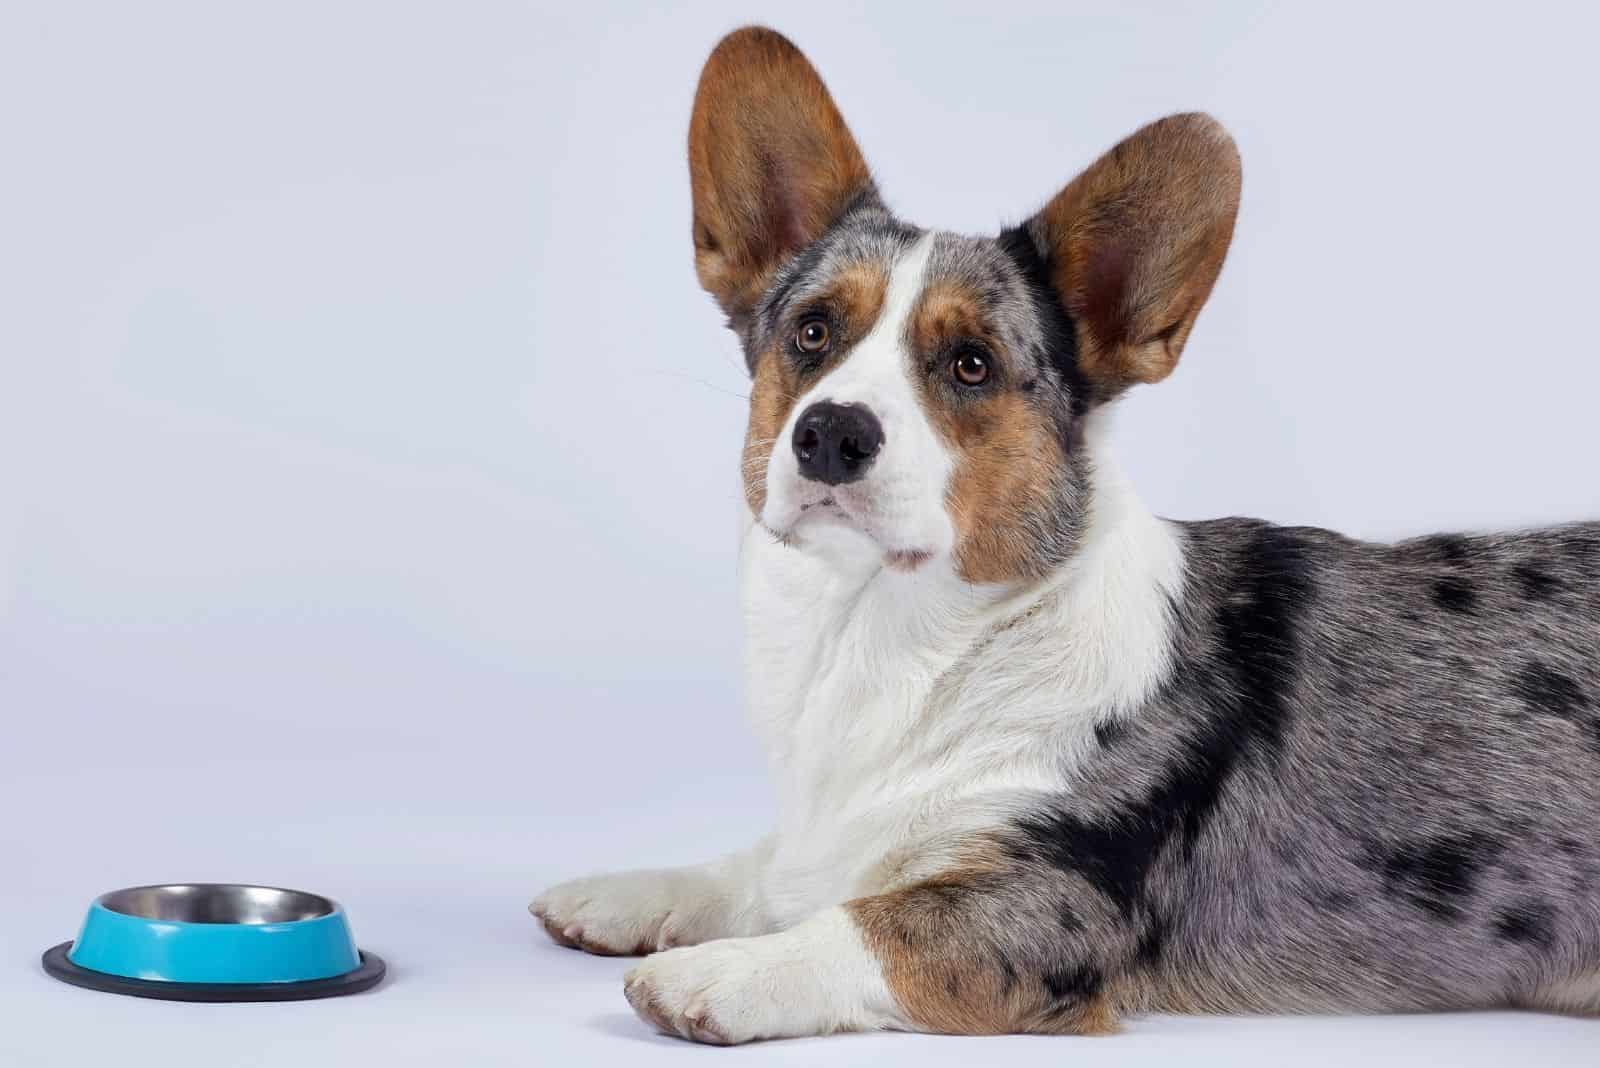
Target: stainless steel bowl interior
(217,903)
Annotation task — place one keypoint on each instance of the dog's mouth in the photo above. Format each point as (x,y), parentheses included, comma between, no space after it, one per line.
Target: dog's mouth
(833,508)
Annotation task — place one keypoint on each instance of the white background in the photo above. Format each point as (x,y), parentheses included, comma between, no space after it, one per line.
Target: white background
(368,454)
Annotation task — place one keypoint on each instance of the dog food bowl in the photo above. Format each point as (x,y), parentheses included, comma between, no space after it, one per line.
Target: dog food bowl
(215,942)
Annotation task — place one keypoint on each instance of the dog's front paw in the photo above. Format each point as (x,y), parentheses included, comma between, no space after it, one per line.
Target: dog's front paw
(813,979)
(719,993)
(632,913)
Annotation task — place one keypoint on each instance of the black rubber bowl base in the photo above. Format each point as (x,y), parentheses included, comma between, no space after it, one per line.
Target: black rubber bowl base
(368,975)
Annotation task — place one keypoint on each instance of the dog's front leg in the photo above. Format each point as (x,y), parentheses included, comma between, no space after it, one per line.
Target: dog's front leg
(955,956)
(632,913)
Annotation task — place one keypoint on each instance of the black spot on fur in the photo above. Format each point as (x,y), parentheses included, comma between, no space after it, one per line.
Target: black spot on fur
(1438,875)
(1115,857)
(1108,732)
(1528,922)
(1455,594)
(1453,591)
(1074,984)
(1549,692)
(1068,919)
(1245,685)
(1450,548)
(1537,583)
(1060,337)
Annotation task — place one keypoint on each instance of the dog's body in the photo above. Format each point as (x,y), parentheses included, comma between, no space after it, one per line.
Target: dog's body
(1042,758)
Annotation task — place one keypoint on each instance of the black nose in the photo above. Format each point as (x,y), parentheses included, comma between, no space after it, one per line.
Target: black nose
(835,443)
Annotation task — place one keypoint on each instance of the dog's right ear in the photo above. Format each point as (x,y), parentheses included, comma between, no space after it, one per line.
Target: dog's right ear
(771,164)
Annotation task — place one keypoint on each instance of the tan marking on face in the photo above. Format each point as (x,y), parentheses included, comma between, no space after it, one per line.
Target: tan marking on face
(946,311)
(945,981)
(854,299)
(856,296)
(1005,451)
(772,393)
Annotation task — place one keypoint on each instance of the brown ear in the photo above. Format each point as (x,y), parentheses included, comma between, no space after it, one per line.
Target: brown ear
(771,164)
(1135,243)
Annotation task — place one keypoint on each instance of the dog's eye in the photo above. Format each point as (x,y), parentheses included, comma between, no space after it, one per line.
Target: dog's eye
(970,367)
(812,337)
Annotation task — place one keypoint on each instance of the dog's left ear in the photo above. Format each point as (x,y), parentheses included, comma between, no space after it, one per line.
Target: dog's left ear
(1135,243)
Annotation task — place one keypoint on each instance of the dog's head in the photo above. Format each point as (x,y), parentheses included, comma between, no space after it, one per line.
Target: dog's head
(928,390)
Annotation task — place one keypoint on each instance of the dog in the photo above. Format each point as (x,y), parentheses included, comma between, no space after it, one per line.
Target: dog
(1044,760)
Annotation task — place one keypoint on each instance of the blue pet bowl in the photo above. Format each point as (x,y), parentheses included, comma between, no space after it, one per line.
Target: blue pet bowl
(215,942)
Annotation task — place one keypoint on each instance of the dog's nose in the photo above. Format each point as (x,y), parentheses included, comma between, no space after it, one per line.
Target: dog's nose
(835,443)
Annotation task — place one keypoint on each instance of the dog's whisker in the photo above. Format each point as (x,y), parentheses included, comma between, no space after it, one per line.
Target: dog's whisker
(698,381)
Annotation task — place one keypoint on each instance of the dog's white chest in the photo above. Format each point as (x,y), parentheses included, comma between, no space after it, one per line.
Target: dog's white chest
(890,703)
(840,674)
(837,671)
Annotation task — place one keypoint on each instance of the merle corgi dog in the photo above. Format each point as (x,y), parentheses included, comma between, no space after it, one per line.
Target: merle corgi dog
(1042,758)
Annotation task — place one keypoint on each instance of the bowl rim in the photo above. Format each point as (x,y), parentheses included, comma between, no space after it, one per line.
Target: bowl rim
(102,902)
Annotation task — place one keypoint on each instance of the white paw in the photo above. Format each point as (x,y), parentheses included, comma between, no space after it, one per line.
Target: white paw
(813,979)
(633,913)
(718,993)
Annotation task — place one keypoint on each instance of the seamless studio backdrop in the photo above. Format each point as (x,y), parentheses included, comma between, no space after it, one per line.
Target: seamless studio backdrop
(368,452)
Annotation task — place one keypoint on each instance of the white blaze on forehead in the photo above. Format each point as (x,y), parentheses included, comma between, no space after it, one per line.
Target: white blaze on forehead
(877,373)
(906,282)
(899,504)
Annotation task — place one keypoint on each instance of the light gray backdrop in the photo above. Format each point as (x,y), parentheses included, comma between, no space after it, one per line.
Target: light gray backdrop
(368,453)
